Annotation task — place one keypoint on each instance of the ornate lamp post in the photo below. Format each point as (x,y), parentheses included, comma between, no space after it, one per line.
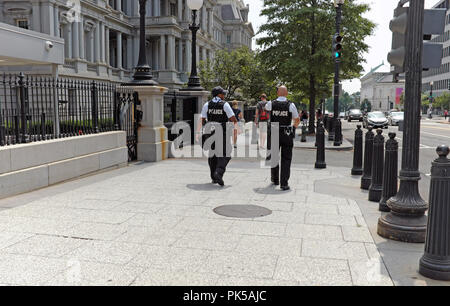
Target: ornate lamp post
(407,221)
(142,75)
(194,80)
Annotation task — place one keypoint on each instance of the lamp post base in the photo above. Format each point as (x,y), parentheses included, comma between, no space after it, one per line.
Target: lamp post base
(399,228)
(193,84)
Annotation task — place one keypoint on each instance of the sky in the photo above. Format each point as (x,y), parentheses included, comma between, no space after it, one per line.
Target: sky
(379,43)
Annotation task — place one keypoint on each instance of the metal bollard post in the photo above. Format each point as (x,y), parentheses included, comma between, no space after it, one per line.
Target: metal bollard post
(435,263)
(337,132)
(358,152)
(320,154)
(304,131)
(368,148)
(376,186)
(390,173)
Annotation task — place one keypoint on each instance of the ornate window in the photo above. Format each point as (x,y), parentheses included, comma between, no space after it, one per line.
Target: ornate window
(22,23)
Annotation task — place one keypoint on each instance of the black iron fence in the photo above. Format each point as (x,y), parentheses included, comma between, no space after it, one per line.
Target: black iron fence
(41,108)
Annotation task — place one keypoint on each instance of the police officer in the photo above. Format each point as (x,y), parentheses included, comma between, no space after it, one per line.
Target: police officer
(218,111)
(282,113)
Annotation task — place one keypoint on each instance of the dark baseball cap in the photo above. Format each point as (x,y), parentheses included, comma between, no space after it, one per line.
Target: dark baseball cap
(217,91)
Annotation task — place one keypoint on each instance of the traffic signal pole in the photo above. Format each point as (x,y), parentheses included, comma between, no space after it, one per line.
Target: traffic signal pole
(337,127)
(406,221)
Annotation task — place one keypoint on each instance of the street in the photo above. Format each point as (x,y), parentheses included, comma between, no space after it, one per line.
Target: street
(433,134)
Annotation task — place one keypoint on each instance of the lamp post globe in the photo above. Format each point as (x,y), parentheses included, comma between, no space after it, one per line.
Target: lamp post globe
(195,5)
(194,80)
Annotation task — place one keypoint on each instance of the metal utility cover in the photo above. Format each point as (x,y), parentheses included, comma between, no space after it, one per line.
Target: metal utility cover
(242,211)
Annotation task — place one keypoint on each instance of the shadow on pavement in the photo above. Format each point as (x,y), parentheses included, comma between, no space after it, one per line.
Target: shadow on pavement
(206,187)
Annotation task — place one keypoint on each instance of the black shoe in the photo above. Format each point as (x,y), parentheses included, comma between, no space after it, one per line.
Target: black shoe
(218,179)
(275,182)
(284,188)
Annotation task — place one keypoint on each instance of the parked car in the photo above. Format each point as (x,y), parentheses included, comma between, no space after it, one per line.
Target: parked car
(342,115)
(375,120)
(354,114)
(395,117)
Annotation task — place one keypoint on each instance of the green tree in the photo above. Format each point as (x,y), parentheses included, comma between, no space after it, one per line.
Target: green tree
(443,101)
(240,72)
(297,44)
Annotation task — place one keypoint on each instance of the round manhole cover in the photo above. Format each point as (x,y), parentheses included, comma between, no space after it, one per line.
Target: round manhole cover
(242,211)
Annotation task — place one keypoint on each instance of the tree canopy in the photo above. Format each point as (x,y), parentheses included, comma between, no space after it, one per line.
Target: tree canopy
(297,39)
(240,72)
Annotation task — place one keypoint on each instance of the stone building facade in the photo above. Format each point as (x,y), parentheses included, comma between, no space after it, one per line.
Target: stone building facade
(102,36)
(380,90)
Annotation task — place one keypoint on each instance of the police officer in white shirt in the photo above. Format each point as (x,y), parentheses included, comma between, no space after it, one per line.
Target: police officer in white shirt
(218,111)
(283,112)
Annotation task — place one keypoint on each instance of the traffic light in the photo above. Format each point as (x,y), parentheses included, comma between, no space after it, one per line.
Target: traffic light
(433,24)
(337,47)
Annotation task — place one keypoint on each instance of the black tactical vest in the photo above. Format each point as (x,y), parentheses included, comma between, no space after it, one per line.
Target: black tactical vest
(216,113)
(280,113)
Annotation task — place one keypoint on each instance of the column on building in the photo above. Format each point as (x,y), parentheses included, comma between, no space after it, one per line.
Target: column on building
(187,12)
(135,8)
(107,42)
(47,12)
(119,50)
(119,5)
(36,16)
(81,38)
(75,40)
(188,55)
(97,51)
(180,10)
(102,43)
(91,44)
(204,26)
(129,52)
(129,9)
(162,52)
(136,49)
(56,20)
(180,55)
(155,56)
(68,39)
(210,21)
(171,52)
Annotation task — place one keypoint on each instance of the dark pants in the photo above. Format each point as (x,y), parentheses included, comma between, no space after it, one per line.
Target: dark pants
(286,144)
(218,164)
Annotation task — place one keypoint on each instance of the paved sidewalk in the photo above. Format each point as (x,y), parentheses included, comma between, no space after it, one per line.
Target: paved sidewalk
(153,224)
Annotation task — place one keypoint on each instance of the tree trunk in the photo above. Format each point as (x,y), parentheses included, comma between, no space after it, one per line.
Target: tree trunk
(312,104)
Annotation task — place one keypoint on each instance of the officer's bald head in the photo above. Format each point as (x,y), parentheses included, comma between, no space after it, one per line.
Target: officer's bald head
(282,91)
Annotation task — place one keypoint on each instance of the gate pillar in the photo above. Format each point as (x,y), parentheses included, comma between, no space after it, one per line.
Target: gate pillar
(153,144)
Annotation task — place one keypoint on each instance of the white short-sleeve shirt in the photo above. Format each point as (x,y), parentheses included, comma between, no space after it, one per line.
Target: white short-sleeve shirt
(226,107)
(292,107)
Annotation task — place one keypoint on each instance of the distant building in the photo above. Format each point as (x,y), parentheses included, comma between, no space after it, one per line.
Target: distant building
(440,76)
(380,90)
(101,37)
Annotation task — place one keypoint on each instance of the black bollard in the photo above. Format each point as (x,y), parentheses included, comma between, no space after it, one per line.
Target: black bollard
(304,131)
(358,152)
(320,155)
(376,184)
(368,148)
(390,173)
(435,263)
